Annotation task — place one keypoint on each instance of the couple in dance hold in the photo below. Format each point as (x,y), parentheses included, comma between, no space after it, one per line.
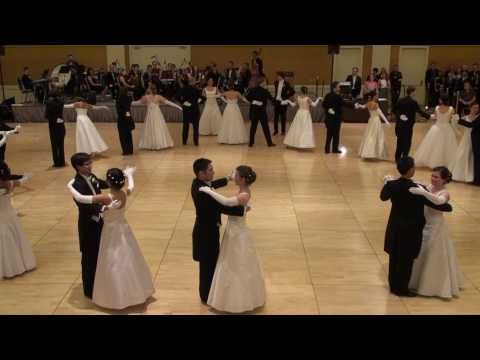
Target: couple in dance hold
(422,257)
(231,277)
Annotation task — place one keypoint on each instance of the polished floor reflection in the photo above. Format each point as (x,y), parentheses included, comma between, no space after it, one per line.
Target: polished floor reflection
(317,219)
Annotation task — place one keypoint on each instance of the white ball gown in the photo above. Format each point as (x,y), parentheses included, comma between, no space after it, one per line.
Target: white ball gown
(122,278)
(300,134)
(462,165)
(155,134)
(373,143)
(16,255)
(87,137)
(211,118)
(232,128)
(238,285)
(435,271)
(439,146)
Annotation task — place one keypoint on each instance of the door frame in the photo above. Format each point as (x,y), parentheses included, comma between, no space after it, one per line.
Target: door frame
(427,56)
(360,66)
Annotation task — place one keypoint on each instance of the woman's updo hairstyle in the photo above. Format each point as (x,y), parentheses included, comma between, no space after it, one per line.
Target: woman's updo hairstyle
(445,174)
(116,178)
(247,173)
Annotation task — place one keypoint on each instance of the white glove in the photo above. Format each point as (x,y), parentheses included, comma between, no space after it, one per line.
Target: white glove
(129,171)
(258,103)
(82,199)
(437,200)
(403,117)
(232,175)
(388,178)
(331,111)
(172,104)
(187,104)
(232,201)
(60,121)
(25,178)
(284,102)
(455,117)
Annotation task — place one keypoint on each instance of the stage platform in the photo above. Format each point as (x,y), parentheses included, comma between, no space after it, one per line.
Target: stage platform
(36,113)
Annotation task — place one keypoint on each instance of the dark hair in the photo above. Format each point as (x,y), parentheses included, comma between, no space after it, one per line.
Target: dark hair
(445,174)
(444,99)
(79,159)
(201,165)
(334,85)
(4,171)
(185,81)
(369,95)
(79,99)
(247,173)
(410,89)
(115,178)
(304,90)
(405,164)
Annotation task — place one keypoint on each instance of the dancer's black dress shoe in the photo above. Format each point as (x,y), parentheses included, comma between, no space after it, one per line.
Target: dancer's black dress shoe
(275,133)
(272,144)
(337,152)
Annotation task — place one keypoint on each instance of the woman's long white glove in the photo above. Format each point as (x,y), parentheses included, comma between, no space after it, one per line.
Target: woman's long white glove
(231,201)
(25,178)
(129,171)
(436,199)
(82,199)
(380,112)
(359,106)
(315,103)
(172,104)
(288,102)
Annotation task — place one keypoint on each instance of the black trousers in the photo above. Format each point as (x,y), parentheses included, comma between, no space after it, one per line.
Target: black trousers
(280,114)
(404,143)
(253,128)
(395,95)
(90,248)
(333,134)
(399,272)
(2,152)
(125,135)
(194,119)
(207,270)
(57,137)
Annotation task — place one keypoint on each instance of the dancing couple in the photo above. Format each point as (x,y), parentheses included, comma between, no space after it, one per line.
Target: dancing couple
(422,257)
(115,274)
(231,277)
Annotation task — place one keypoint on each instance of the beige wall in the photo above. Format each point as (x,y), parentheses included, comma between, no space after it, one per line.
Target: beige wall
(456,55)
(39,58)
(307,62)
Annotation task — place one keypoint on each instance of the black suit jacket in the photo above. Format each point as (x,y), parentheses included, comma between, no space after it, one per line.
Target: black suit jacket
(475,126)
(408,107)
(192,95)
(356,86)
(111,79)
(87,212)
(208,219)
(333,101)
(54,111)
(258,93)
(287,91)
(406,221)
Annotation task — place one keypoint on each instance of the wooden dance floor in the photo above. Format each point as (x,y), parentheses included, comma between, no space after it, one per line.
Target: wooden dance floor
(317,219)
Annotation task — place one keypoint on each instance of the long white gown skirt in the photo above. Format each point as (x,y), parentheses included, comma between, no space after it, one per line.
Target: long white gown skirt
(462,166)
(211,118)
(155,134)
(232,128)
(87,137)
(238,285)
(435,271)
(373,143)
(300,134)
(16,255)
(122,278)
(439,146)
